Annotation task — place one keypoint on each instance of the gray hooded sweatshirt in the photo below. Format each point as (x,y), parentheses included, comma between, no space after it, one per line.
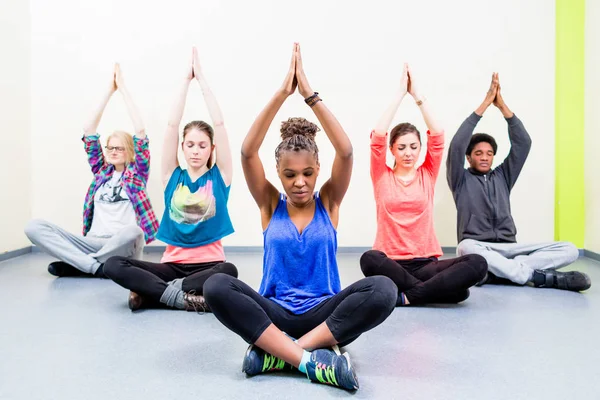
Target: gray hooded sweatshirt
(483,200)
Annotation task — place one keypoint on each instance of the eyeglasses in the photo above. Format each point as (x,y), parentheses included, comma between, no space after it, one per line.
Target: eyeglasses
(118,149)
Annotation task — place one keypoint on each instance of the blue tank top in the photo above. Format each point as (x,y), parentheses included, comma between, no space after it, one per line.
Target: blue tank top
(299,270)
(195,212)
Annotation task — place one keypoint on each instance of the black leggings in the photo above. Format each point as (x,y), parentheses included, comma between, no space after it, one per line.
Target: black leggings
(356,309)
(151,279)
(428,280)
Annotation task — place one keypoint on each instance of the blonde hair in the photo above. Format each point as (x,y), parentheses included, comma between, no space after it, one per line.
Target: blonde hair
(127,140)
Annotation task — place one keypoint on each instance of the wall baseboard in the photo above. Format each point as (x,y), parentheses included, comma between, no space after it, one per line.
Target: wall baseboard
(257,249)
(15,253)
(591,254)
(448,250)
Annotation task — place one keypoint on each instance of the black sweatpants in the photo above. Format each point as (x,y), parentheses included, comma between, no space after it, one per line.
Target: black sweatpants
(150,279)
(356,309)
(428,280)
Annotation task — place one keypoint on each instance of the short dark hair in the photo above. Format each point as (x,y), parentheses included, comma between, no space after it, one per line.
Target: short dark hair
(481,137)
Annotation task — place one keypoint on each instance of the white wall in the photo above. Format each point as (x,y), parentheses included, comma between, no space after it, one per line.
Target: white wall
(15,143)
(353,56)
(592,126)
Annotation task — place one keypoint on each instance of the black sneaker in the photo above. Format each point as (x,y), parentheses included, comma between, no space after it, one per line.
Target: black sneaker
(491,279)
(61,268)
(487,279)
(100,272)
(572,280)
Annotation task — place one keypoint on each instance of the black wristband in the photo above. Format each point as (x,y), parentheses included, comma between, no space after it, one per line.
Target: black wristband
(309,99)
(312,100)
(315,101)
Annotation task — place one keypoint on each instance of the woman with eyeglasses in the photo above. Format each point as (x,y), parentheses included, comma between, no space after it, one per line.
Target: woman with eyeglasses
(118,217)
(195,217)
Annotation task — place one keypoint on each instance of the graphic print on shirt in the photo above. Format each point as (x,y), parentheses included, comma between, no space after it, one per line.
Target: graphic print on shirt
(112,191)
(192,208)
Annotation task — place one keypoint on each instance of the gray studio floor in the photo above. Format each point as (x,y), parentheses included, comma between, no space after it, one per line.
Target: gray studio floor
(75,338)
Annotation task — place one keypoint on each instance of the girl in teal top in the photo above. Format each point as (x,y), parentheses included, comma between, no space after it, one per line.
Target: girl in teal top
(195,217)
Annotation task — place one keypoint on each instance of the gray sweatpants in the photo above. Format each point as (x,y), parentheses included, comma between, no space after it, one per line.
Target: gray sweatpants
(515,261)
(85,253)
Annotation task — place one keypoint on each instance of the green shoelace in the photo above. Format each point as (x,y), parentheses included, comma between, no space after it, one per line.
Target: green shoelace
(272,363)
(326,374)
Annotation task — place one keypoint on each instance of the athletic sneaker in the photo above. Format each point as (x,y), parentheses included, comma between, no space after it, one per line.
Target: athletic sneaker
(195,302)
(257,361)
(572,280)
(325,366)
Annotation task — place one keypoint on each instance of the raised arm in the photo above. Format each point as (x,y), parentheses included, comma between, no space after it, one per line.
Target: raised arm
(335,188)
(384,122)
(435,134)
(414,89)
(378,142)
(224,161)
(132,110)
(520,142)
(140,141)
(455,163)
(90,128)
(264,193)
(171,141)
(91,125)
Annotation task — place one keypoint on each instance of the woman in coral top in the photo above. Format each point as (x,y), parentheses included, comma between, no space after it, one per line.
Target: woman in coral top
(406,248)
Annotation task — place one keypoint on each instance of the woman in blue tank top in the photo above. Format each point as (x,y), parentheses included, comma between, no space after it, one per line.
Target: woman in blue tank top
(300,293)
(195,217)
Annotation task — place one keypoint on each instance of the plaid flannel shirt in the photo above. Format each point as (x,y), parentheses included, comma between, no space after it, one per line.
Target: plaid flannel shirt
(135,178)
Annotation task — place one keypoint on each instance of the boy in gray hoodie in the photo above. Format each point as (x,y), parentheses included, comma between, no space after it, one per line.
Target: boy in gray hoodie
(482,196)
